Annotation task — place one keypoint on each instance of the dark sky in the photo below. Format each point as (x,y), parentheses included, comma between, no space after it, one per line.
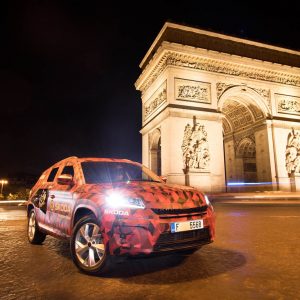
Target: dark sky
(68,68)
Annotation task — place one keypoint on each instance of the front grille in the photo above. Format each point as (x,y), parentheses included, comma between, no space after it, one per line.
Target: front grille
(180,211)
(178,240)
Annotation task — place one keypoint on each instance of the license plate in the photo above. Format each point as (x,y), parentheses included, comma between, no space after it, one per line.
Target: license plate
(186,226)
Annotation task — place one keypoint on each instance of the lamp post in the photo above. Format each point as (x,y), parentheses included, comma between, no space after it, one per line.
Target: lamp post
(3,181)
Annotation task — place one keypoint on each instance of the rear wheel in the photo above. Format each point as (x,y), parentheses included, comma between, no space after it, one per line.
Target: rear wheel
(87,247)
(35,236)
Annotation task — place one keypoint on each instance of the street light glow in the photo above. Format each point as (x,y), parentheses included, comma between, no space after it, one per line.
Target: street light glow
(3,181)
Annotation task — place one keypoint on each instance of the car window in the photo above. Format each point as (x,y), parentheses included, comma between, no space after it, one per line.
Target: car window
(52,175)
(68,170)
(100,172)
(95,172)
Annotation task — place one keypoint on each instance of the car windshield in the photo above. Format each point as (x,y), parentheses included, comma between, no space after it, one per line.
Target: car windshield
(105,172)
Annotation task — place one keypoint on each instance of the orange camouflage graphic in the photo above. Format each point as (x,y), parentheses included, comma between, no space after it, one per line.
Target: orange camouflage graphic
(134,216)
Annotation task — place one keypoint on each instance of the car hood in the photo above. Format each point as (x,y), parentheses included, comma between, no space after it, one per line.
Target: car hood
(153,194)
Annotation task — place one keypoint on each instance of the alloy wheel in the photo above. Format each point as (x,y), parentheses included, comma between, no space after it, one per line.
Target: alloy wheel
(89,246)
(31,226)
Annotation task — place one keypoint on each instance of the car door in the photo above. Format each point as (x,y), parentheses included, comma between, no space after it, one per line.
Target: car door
(41,200)
(61,202)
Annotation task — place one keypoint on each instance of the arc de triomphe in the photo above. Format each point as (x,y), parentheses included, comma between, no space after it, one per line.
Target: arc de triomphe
(220,111)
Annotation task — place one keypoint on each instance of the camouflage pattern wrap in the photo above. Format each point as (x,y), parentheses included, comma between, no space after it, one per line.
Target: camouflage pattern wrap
(125,231)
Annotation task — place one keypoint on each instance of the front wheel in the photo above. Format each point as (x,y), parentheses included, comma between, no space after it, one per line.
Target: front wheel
(35,236)
(87,247)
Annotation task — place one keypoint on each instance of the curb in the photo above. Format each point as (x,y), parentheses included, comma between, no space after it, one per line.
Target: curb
(21,203)
(263,198)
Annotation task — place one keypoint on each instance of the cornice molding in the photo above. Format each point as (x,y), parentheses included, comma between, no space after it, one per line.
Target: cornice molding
(187,30)
(194,62)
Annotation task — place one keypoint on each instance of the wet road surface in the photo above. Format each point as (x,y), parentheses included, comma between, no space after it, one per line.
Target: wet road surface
(256,255)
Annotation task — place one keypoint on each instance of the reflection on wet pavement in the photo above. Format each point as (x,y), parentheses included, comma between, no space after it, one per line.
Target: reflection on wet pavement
(255,256)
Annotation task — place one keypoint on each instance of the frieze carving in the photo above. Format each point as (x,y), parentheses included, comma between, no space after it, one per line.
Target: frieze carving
(265,94)
(292,152)
(190,90)
(288,104)
(221,88)
(198,63)
(195,148)
(160,97)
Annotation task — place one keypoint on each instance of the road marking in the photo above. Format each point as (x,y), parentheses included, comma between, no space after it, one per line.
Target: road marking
(284,216)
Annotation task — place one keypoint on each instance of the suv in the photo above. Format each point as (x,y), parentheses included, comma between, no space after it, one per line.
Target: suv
(115,207)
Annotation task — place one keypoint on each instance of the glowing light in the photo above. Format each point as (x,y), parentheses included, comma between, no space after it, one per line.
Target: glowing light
(118,200)
(248,183)
(2,182)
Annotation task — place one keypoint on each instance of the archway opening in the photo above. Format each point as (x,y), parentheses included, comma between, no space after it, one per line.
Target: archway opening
(246,152)
(245,144)
(155,152)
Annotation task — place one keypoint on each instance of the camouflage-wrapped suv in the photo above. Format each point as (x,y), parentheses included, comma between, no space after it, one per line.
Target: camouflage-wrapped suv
(116,207)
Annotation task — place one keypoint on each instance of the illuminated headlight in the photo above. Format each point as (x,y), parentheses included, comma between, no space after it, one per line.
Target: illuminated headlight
(117,200)
(207,200)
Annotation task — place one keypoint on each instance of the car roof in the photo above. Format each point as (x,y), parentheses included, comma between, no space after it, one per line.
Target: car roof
(103,159)
(92,159)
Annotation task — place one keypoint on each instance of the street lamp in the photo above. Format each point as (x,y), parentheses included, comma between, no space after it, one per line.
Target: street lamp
(3,181)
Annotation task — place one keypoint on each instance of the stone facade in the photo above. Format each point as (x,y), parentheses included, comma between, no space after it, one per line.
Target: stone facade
(223,119)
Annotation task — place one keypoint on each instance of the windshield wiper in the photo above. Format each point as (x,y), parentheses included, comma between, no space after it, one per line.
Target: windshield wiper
(147,180)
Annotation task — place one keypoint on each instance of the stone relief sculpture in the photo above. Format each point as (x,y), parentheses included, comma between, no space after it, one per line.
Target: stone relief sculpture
(292,152)
(160,97)
(288,104)
(195,148)
(190,90)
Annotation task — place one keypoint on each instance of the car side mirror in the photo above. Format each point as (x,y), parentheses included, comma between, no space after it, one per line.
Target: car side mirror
(65,179)
(163,178)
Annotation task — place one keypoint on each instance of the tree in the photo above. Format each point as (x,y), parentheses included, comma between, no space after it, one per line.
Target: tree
(20,195)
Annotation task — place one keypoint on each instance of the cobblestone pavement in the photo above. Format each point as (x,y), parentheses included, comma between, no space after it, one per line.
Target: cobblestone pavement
(256,256)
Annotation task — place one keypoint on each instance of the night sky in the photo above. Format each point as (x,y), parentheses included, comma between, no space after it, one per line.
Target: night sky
(68,68)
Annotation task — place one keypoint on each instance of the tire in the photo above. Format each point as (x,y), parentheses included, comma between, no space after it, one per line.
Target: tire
(89,253)
(35,236)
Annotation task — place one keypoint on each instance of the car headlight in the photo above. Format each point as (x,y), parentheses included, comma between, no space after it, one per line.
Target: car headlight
(118,200)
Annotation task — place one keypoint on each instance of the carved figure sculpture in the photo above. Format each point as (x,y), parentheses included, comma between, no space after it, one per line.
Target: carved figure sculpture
(195,147)
(292,152)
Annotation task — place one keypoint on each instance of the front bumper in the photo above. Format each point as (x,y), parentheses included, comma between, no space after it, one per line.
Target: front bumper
(152,234)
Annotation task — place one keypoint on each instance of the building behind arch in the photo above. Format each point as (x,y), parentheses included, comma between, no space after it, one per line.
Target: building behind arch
(219,112)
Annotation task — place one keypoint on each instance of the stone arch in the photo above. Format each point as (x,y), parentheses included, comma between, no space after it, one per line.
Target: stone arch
(246,148)
(155,151)
(244,115)
(188,78)
(244,94)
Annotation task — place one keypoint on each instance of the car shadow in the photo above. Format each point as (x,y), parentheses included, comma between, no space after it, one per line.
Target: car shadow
(61,247)
(209,261)
(206,262)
